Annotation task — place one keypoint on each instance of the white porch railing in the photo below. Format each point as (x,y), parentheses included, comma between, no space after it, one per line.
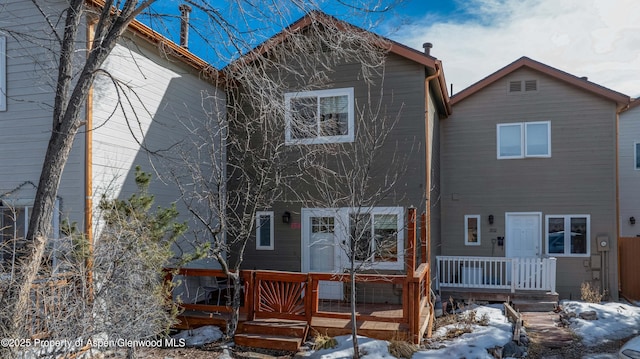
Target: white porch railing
(496,273)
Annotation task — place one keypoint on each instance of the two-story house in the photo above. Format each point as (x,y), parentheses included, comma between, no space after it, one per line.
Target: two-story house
(528,170)
(150,87)
(373,129)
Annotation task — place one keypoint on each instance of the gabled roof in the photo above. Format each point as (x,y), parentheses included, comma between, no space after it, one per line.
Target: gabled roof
(387,44)
(524,62)
(169,47)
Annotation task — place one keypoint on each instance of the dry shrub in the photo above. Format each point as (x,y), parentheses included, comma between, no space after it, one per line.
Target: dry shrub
(591,293)
(401,349)
(323,341)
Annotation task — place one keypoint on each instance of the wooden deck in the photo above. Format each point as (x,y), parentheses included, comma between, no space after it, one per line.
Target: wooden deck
(275,295)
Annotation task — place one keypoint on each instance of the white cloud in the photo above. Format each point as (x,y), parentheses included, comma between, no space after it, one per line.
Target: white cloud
(599,39)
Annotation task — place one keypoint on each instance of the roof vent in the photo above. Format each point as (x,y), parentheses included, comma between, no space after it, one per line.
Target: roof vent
(184,25)
(427,48)
(584,78)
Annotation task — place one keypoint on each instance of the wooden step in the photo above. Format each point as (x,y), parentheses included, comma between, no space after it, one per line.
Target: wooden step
(268,341)
(534,305)
(281,327)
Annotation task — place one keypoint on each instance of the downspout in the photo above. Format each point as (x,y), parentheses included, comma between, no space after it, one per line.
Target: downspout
(617,150)
(88,171)
(428,156)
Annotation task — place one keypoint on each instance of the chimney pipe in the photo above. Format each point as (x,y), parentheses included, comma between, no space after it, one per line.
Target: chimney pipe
(184,25)
(427,48)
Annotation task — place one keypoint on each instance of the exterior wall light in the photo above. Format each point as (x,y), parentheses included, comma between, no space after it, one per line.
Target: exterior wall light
(491,219)
(286,217)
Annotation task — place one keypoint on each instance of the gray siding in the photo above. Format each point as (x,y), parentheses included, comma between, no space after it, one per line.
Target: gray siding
(163,93)
(629,176)
(25,125)
(403,87)
(579,178)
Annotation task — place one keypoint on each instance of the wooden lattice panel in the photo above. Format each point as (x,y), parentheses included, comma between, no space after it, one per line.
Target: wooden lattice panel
(282,297)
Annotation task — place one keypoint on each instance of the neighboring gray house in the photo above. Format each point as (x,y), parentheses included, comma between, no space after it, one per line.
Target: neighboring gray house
(629,170)
(306,235)
(529,171)
(161,86)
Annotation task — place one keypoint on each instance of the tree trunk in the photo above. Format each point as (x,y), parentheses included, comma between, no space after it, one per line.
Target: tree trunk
(232,324)
(354,317)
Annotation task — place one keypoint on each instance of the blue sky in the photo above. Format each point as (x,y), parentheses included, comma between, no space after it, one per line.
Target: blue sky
(599,39)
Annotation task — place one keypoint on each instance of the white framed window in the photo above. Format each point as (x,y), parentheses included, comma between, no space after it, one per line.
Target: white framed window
(3,73)
(264,230)
(568,235)
(472,230)
(379,237)
(321,116)
(14,222)
(524,139)
(636,155)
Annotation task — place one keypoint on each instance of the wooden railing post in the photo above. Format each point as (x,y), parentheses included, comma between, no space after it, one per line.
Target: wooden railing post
(424,246)
(411,248)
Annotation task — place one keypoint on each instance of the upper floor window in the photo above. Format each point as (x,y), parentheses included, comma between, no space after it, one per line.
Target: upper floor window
(322,116)
(3,73)
(264,231)
(524,139)
(568,235)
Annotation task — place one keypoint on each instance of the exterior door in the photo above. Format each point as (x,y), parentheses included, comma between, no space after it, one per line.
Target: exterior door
(321,252)
(523,234)
(523,240)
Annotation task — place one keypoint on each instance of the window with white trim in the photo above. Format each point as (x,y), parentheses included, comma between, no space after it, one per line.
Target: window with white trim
(321,116)
(379,237)
(264,230)
(636,155)
(3,73)
(568,235)
(472,230)
(524,139)
(14,222)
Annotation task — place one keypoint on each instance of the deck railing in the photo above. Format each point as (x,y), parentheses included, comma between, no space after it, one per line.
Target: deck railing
(291,295)
(496,273)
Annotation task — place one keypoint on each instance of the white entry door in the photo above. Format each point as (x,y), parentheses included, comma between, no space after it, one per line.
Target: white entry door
(523,234)
(320,249)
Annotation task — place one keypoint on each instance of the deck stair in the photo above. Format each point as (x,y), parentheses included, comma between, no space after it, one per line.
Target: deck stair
(277,334)
(536,302)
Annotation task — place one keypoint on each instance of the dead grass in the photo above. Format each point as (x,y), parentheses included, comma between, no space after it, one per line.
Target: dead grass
(591,293)
(323,341)
(402,349)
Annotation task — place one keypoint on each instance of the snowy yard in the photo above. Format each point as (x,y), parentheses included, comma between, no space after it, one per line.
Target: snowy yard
(615,321)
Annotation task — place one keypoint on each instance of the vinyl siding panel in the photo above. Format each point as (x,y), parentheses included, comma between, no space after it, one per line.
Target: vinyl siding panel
(159,97)
(404,95)
(25,125)
(579,178)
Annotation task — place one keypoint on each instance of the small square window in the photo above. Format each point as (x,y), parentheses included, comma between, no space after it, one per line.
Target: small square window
(472,230)
(264,231)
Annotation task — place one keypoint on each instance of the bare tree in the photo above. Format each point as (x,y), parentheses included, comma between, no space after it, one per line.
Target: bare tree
(72,88)
(260,165)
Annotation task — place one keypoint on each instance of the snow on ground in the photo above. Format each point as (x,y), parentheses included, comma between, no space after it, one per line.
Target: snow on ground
(615,321)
